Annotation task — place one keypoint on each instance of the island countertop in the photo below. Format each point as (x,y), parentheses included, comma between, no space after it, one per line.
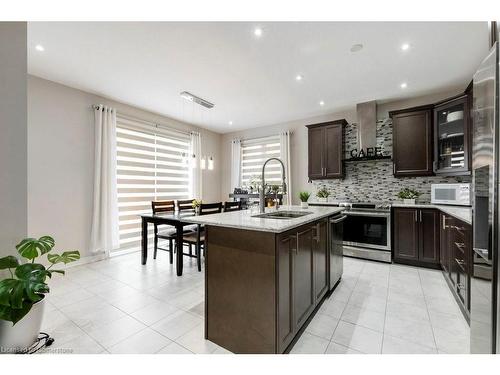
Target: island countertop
(245,219)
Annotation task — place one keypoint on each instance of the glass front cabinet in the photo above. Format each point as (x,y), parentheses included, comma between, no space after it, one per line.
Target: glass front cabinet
(452,137)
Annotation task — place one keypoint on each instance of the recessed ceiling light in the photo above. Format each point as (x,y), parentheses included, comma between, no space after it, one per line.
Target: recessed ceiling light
(356,47)
(403,85)
(257,32)
(322,103)
(298,77)
(230,122)
(405,46)
(39,47)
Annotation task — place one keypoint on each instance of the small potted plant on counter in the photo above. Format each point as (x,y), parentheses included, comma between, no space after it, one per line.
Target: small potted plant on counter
(408,195)
(322,194)
(196,206)
(304,197)
(23,290)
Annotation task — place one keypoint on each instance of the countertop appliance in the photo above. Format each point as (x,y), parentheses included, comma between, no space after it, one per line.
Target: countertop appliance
(367,230)
(452,194)
(336,263)
(484,307)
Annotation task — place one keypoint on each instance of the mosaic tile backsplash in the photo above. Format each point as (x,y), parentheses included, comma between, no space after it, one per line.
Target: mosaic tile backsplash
(373,181)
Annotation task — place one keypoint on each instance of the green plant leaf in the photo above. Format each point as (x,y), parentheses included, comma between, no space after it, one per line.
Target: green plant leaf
(29,271)
(66,257)
(6,287)
(8,262)
(16,296)
(30,248)
(17,314)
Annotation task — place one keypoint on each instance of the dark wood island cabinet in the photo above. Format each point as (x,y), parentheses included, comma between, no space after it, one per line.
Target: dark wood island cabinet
(262,287)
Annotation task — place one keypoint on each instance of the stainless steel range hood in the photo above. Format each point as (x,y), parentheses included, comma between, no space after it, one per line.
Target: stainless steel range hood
(367,125)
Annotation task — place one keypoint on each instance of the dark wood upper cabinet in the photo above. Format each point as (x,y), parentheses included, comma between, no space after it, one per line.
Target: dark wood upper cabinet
(325,150)
(412,141)
(416,236)
(452,139)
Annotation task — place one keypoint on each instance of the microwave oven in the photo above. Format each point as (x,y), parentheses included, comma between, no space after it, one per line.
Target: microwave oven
(453,194)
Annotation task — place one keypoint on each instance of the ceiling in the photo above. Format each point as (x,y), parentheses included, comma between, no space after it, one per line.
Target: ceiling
(252,80)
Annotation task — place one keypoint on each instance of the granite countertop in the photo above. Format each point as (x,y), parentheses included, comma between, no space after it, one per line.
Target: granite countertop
(243,219)
(463,213)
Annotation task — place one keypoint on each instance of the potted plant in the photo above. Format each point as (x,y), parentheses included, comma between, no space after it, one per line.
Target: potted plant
(196,206)
(408,195)
(22,292)
(322,194)
(304,197)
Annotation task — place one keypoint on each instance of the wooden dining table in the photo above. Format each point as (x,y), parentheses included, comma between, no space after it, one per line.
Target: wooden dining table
(175,219)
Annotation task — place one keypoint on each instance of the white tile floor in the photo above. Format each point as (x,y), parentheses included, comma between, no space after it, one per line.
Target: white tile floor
(120,306)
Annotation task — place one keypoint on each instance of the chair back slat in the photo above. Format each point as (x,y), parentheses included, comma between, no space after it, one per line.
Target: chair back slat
(185,204)
(232,206)
(210,208)
(162,206)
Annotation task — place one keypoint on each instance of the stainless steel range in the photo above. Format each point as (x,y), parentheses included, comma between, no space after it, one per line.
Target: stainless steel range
(367,231)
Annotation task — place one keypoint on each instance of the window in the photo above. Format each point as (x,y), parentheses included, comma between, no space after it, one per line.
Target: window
(254,153)
(150,166)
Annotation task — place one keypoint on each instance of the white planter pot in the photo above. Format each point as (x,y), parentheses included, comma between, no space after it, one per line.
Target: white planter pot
(408,201)
(22,335)
(304,204)
(322,199)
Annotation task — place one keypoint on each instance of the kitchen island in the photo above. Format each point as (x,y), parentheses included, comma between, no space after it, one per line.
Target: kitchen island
(264,277)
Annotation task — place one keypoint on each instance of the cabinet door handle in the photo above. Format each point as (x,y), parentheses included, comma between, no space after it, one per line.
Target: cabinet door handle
(416,217)
(420,216)
(316,234)
(444,222)
(393,168)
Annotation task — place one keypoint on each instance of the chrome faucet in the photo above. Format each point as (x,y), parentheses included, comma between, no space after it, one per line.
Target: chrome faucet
(262,194)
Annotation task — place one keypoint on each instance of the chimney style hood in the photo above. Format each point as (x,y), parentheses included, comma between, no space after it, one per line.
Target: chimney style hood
(367,125)
(366,134)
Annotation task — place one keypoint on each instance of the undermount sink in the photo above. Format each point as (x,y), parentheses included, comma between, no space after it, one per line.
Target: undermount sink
(283,214)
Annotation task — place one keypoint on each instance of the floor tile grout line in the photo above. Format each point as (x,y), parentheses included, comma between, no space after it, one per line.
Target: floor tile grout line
(429,315)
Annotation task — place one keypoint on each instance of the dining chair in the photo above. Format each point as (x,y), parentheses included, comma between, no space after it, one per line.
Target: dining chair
(166,234)
(232,206)
(198,238)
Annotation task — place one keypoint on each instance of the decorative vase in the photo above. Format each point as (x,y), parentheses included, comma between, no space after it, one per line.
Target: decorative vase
(322,199)
(408,201)
(197,210)
(304,204)
(21,336)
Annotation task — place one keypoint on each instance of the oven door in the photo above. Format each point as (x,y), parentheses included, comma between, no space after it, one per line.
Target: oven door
(368,229)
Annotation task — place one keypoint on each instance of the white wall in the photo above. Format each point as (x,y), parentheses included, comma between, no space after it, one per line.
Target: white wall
(13,130)
(299,138)
(60,160)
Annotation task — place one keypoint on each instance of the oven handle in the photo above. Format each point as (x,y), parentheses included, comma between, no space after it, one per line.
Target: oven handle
(338,220)
(369,214)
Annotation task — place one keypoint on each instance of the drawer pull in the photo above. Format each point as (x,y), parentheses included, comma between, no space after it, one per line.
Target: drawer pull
(460,245)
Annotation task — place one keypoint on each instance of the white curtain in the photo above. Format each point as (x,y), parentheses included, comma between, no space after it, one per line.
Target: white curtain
(195,170)
(235,163)
(285,157)
(105,232)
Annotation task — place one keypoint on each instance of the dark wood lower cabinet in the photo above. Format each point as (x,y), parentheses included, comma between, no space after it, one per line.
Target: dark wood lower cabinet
(430,238)
(416,236)
(456,258)
(261,287)
(303,276)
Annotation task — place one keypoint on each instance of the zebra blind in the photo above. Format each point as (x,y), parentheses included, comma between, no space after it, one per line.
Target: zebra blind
(150,166)
(254,153)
